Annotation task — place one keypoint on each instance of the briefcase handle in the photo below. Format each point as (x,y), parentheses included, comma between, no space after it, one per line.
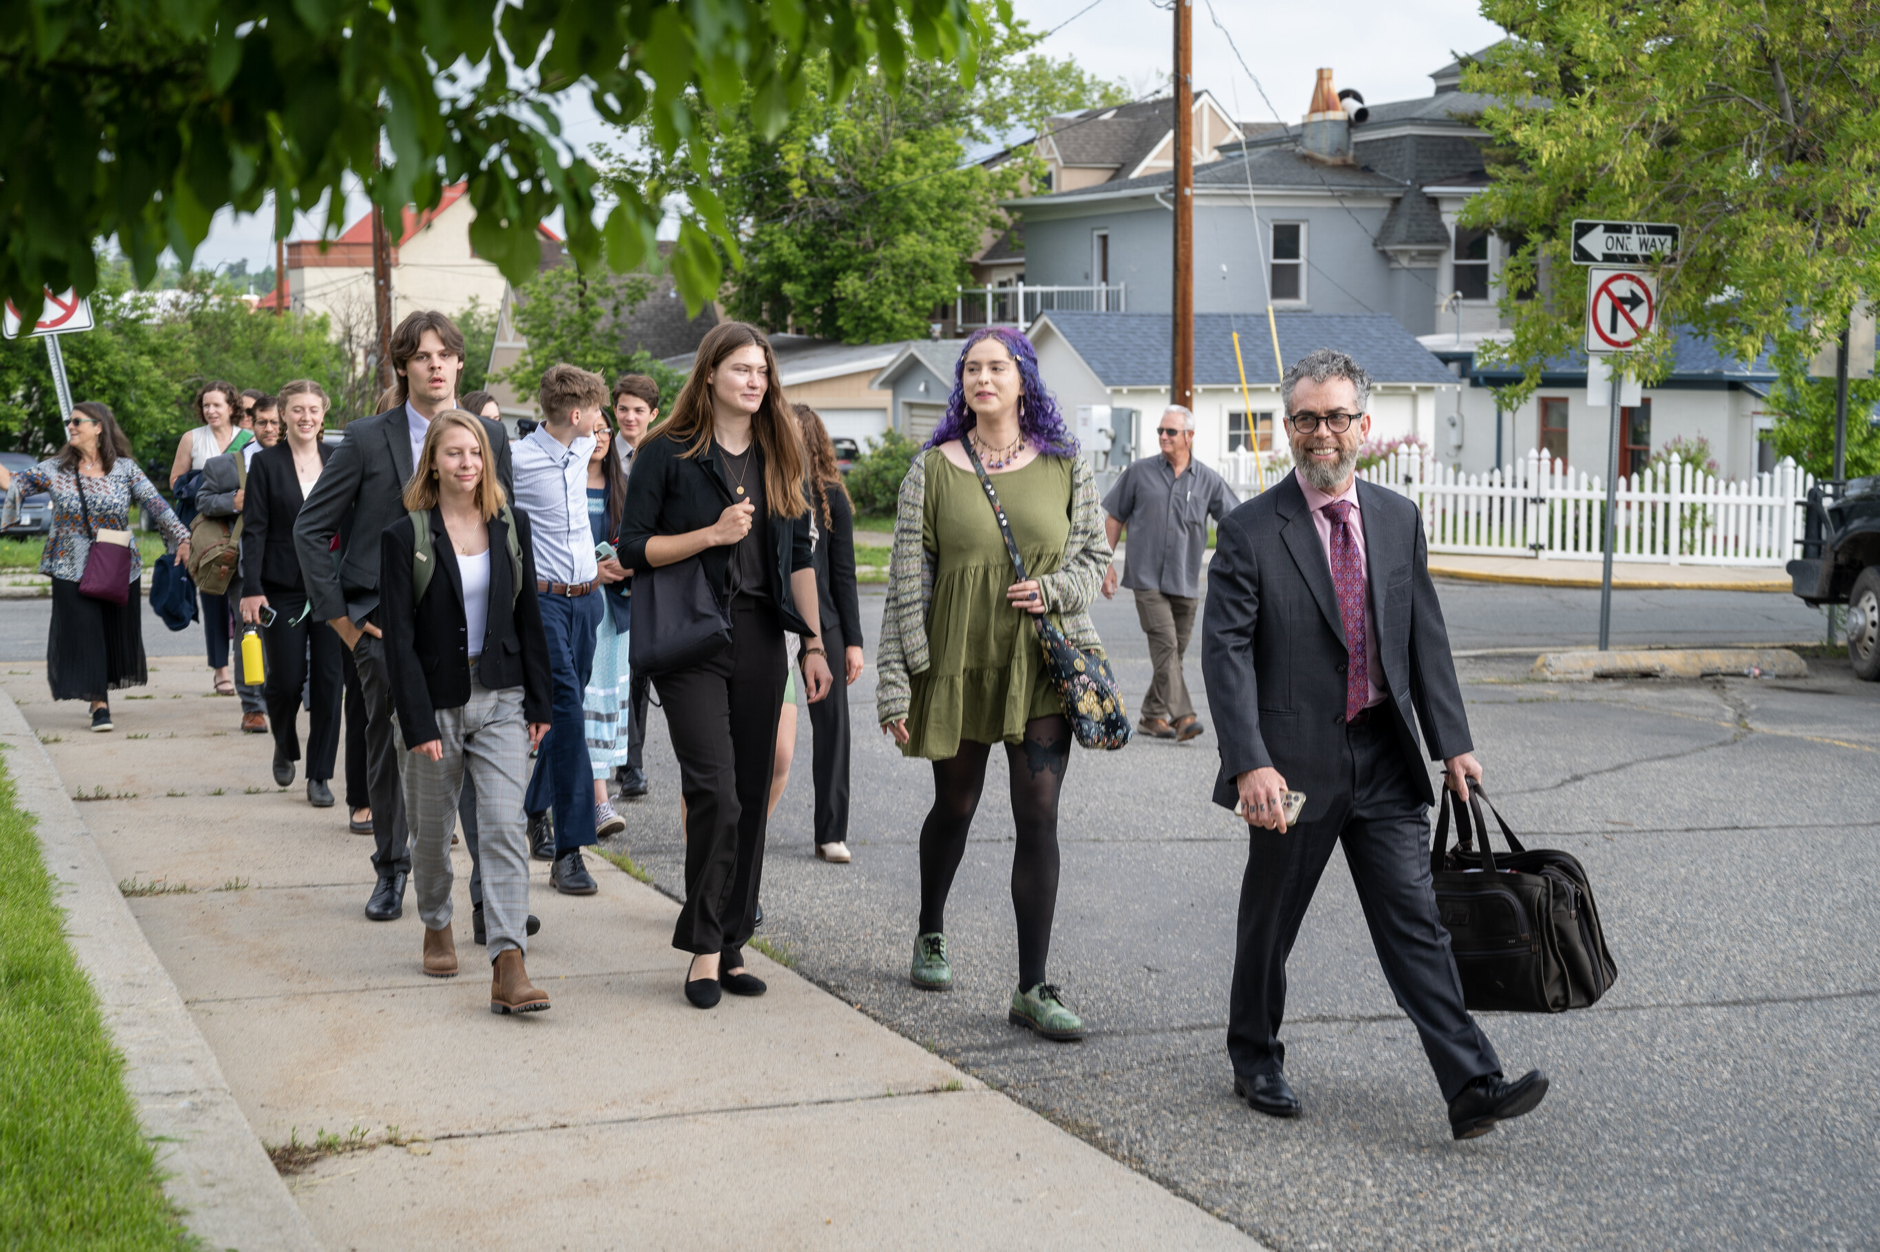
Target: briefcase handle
(1464,834)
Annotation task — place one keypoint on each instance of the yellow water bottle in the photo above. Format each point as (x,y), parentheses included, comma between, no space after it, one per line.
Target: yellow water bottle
(252,668)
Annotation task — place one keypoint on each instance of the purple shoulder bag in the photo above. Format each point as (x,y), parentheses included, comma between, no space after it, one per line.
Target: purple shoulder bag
(107,575)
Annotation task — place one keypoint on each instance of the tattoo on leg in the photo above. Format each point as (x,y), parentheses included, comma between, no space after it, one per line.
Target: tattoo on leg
(1043,758)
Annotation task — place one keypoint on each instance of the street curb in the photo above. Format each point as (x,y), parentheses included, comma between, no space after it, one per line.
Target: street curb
(1776,585)
(1584,665)
(215,1169)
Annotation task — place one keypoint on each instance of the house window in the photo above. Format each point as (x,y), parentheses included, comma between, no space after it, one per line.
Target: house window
(1289,261)
(1636,422)
(1472,263)
(1554,427)
(1244,435)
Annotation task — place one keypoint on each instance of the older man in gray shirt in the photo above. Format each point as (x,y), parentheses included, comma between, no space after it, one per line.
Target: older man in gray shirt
(1164,504)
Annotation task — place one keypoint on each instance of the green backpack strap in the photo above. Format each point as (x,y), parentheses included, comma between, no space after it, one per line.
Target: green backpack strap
(515,551)
(424,560)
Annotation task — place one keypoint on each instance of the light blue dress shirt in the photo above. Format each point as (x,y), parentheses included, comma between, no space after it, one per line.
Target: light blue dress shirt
(551,487)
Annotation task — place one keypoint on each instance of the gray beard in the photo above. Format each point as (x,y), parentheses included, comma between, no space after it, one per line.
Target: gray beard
(1329,478)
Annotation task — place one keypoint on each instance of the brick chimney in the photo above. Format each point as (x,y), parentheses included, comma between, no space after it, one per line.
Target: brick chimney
(1326,135)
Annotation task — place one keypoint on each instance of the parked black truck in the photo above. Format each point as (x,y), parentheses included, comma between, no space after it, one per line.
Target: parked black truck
(1840,564)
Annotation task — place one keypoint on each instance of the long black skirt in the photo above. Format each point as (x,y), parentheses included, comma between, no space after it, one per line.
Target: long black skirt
(95,647)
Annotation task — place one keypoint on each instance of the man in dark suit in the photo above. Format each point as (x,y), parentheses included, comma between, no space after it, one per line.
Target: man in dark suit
(359,494)
(1323,648)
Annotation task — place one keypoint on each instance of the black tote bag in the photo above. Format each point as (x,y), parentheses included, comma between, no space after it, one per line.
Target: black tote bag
(1523,925)
(677,619)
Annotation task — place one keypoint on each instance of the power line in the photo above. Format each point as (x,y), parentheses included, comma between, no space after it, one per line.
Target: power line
(1067,21)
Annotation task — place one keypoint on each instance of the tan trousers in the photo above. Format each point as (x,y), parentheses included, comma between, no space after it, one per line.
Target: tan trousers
(1168,621)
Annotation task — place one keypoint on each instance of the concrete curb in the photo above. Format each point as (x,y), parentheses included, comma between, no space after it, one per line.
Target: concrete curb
(1585,665)
(1437,570)
(215,1169)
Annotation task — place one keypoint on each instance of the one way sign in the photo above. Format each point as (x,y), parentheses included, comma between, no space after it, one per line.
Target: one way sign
(1622,243)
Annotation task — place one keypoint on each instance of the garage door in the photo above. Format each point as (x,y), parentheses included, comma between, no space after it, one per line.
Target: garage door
(861,425)
(918,420)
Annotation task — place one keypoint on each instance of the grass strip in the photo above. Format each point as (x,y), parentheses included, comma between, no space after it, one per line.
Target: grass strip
(75,1169)
(24,554)
(624,863)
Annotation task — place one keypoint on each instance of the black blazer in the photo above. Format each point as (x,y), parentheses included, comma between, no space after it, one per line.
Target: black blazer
(1273,644)
(270,564)
(669,494)
(840,605)
(426,650)
(360,494)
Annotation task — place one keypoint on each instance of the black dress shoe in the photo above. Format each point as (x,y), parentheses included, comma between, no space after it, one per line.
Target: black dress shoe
(745,984)
(476,925)
(283,769)
(1491,1098)
(757,919)
(631,782)
(702,992)
(542,836)
(388,898)
(1270,1094)
(570,876)
(319,795)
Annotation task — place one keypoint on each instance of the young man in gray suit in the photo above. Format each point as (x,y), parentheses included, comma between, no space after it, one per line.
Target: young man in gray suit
(1323,647)
(361,492)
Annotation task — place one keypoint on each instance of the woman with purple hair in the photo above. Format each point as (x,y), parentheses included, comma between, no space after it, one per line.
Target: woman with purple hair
(960,666)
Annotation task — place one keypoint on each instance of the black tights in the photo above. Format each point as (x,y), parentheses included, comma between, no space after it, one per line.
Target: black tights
(1037,767)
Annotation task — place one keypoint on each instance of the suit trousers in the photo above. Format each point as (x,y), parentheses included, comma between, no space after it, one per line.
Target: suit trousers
(722,716)
(214,627)
(1169,621)
(1385,829)
(488,741)
(467,818)
(829,737)
(384,766)
(564,779)
(639,690)
(301,651)
(357,795)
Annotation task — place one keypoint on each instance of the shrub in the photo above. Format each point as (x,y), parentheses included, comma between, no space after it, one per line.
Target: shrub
(1374,452)
(874,481)
(1693,452)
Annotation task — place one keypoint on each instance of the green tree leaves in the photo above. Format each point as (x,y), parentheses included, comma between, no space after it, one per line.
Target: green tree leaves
(581,321)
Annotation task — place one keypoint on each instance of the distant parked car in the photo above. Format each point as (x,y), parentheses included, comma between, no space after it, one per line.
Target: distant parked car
(847,453)
(35,511)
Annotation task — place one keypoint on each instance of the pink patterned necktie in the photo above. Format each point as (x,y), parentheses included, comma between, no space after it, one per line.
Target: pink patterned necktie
(1348,580)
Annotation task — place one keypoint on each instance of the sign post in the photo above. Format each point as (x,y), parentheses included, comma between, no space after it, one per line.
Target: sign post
(65,314)
(1621,309)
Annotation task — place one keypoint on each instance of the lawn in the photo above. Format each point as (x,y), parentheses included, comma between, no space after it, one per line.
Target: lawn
(75,1169)
(23,554)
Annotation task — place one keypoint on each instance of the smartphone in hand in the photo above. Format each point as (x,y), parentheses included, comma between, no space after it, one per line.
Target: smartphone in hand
(1292,803)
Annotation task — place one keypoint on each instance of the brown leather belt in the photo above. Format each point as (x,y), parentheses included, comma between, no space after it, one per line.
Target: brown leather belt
(566,589)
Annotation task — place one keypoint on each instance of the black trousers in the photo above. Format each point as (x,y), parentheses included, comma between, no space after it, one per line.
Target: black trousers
(829,738)
(639,692)
(1384,826)
(214,627)
(391,849)
(357,794)
(722,717)
(303,653)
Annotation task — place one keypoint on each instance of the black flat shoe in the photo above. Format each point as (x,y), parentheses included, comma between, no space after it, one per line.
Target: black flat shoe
(357,826)
(283,769)
(745,984)
(1491,1098)
(476,925)
(631,782)
(388,898)
(542,836)
(1270,1094)
(319,795)
(702,992)
(570,875)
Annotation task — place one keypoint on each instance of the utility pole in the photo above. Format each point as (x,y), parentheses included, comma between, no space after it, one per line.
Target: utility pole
(1182,367)
(280,270)
(382,287)
(1840,400)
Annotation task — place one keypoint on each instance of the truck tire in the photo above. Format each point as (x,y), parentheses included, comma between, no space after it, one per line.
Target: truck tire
(1863,645)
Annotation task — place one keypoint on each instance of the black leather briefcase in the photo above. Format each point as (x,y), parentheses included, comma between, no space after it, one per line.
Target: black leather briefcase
(1522,925)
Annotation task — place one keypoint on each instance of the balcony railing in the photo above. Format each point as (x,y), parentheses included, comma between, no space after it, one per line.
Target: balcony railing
(1020,306)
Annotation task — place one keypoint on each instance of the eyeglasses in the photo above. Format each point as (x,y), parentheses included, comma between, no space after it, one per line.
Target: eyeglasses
(1306,423)
(78,419)
(1170,432)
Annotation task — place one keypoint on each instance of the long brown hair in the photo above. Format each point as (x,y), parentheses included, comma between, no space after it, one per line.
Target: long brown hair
(614,477)
(111,441)
(772,426)
(422,491)
(821,451)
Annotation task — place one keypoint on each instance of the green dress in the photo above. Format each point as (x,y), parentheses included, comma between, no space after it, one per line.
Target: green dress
(986,675)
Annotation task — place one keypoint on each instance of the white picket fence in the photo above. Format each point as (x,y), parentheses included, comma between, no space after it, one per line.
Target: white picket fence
(1538,507)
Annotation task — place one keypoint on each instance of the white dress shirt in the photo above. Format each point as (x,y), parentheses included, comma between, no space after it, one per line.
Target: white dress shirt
(551,487)
(419,424)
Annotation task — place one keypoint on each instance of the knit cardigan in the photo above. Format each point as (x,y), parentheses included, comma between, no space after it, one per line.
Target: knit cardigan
(1067,593)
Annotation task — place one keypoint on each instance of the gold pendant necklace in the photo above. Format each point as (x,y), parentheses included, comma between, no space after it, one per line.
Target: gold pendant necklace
(741,473)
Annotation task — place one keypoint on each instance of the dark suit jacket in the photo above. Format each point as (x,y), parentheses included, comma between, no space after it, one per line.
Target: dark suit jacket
(834,559)
(360,494)
(670,494)
(1273,644)
(426,649)
(270,564)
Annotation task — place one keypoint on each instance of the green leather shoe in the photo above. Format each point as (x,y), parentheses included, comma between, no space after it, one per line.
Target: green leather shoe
(931,971)
(1042,1009)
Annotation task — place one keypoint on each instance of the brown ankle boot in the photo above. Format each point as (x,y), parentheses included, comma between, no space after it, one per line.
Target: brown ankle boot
(510,989)
(440,953)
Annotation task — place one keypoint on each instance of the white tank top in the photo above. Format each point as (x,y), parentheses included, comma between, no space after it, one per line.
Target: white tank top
(203,447)
(475,572)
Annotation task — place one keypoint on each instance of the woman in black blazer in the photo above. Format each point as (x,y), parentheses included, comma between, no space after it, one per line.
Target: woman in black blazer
(468,664)
(721,482)
(301,653)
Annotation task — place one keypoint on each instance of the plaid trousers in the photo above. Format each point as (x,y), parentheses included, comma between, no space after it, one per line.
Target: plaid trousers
(489,739)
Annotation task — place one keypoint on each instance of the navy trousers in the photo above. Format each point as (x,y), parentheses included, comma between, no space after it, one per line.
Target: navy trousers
(563,779)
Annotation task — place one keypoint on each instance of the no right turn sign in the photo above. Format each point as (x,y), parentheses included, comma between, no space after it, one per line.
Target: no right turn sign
(1621,308)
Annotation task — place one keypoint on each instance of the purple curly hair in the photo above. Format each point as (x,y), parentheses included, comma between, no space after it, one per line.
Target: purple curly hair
(1038,420)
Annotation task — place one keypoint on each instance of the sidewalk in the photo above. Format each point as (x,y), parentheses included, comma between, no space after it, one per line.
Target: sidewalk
(621,1117)
(1626,575)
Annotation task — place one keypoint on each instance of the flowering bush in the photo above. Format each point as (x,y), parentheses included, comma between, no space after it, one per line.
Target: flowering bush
(1374,452)
(1693,452)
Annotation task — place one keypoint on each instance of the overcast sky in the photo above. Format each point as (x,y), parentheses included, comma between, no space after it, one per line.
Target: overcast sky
(1383,48)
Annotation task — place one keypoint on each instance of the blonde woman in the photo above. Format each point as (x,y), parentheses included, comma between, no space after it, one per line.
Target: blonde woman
(468,666)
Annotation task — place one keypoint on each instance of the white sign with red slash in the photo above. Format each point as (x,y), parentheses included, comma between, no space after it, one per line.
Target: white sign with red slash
(1621,308)
(64,314)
